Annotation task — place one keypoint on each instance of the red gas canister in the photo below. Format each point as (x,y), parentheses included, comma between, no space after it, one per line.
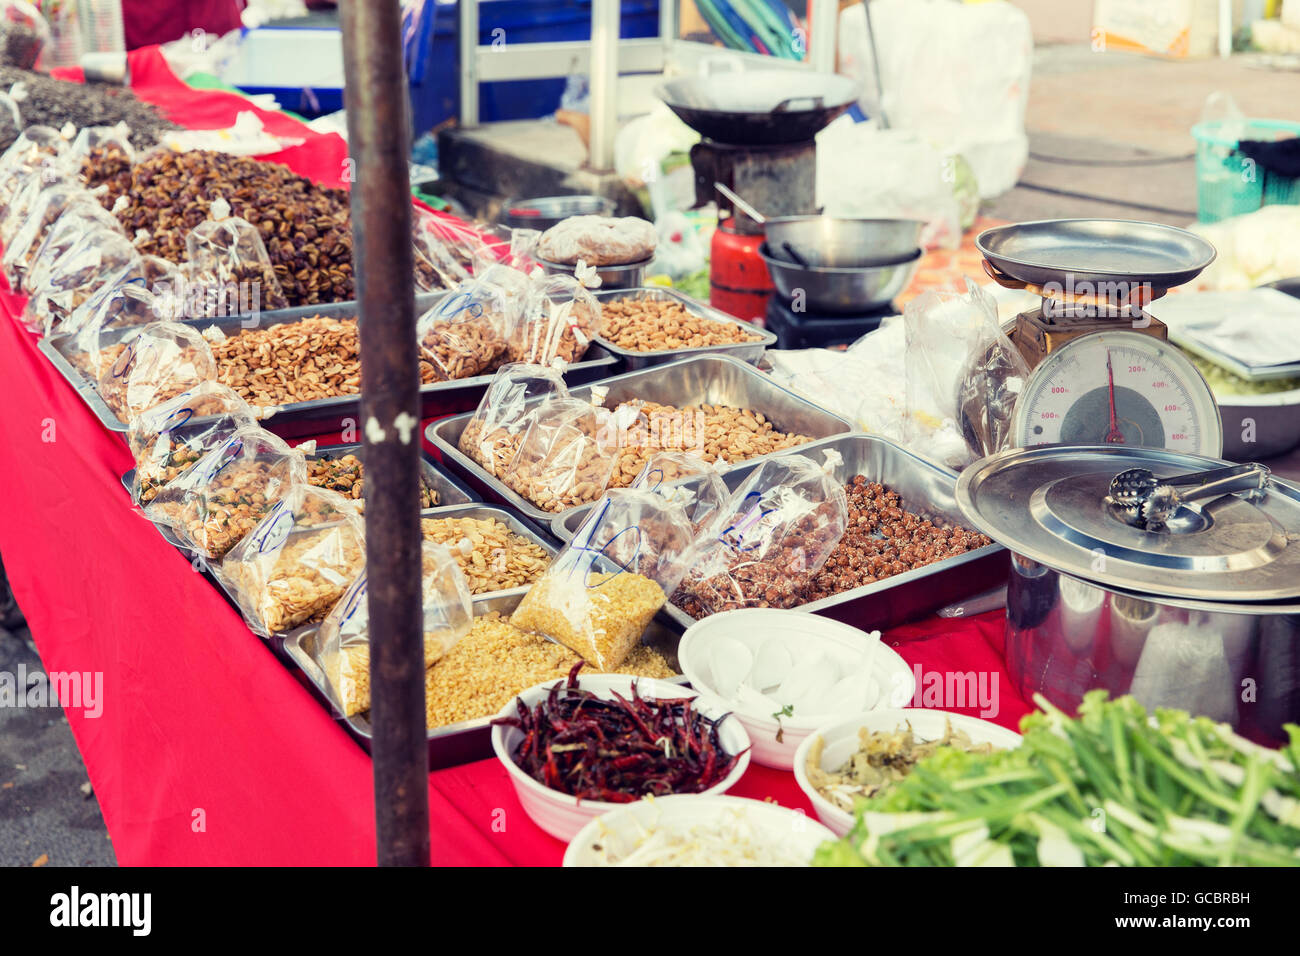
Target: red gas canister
(738,280)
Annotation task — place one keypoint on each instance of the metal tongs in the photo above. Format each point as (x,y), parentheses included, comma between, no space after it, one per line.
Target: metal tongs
(1145,501)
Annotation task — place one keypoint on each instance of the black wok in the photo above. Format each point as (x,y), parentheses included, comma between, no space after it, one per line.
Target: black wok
(759,107)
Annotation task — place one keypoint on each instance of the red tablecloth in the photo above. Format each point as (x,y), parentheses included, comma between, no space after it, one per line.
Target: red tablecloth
(207,750)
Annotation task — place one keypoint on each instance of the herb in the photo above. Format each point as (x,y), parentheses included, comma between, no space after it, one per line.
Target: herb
(786,711)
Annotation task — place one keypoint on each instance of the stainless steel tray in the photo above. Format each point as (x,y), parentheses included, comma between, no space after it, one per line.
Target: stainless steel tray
(632,360)
(322,415)
(456,743)
(1096,250)
(925,488)
(711,379)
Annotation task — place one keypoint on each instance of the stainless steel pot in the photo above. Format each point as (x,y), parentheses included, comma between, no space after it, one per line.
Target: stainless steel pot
(630,275)
(842,291)
(830,242)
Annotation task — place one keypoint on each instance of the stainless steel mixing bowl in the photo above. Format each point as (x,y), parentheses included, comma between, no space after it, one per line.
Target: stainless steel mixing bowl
(839,290)
(828,242)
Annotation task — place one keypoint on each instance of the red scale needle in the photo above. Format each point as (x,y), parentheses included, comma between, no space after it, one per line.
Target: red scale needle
(1113,435)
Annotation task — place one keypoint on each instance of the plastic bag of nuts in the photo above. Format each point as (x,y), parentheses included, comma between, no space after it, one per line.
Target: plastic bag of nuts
(68,230)
(158,362)
(602,590)
(666,473)
(343,643)
(225,256)
(566,456)
(295,565)
(99,258)
(560,319)
(35,147)
(464,334)
(166,441)
(516,393)
(443,252)
(49,205)
(126,305)
(229,491)
(775,532)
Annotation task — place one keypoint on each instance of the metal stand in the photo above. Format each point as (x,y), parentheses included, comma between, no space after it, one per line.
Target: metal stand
(379,138)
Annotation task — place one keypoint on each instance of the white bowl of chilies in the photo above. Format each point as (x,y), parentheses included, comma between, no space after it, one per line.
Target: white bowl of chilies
(579,747)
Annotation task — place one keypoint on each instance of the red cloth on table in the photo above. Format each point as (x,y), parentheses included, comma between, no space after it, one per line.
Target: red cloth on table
(207,750)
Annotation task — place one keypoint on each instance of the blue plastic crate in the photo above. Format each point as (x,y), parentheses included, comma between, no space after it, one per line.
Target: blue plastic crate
(433,54)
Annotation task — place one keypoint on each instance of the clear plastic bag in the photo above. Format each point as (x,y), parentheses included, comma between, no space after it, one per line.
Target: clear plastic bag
(68,230)
(100,258)
(227,260)
(996,374)
(125,305)
(464,334)
(229,491)
(602,590)
(103,156)
(598,241)
(492,436)
(343,641)
(437,264)
(24,34)
(775,532)
(942,329)
(31,186)
(560,319)
(157,363)
(35,147)
(168,440)
(703,499)
(50,204)
(566,456)
(295,565)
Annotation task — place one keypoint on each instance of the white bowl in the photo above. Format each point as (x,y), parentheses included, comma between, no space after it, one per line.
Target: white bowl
(776,825)
(806,633)
(561,815)
(842,742)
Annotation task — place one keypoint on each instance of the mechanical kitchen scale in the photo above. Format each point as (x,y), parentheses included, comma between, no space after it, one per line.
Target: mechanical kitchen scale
(1102,368)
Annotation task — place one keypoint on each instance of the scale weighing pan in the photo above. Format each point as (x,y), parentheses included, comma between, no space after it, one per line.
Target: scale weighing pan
(1068,251)
(759,107)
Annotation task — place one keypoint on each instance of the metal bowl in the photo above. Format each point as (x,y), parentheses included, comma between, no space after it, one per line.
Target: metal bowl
(840,291)
(626,276)
(827,242)
(548,211)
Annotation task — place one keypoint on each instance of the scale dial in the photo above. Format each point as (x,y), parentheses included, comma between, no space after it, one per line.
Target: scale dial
(1120,388)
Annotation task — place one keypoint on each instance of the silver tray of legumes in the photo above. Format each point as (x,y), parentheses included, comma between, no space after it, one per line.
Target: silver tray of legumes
(648,326)
(714,405)
(909,574)
(485,670)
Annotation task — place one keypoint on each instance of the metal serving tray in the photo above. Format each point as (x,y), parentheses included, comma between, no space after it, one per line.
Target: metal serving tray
(711,379)
(925,488)
(632,360)
(322,415)
(456,743)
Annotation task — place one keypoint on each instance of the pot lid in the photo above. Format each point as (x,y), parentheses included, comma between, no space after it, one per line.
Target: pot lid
(1056,505)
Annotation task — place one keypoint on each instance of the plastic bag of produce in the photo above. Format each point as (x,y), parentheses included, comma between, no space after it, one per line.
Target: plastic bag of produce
(560,319)
(24,34)
(566,456)
(438,263)
(343,642)
(49,204)
(228,262)
(169,439)
(464,334)
(157,363)
(703,497)
(774,533)
(295,565)
(602,590)
(99,258)
(492,436)
(229,491)
(93,325)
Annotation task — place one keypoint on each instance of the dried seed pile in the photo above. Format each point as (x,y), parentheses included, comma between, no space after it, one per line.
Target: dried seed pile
(492,556)
(346,475)
(306,228)
(497,660)
(645,324)
(52,102)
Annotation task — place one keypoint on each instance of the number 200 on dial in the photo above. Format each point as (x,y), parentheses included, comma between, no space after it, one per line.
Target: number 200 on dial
(1120,388)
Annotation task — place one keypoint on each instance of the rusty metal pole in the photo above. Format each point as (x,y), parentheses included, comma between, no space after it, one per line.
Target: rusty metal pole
(378,138)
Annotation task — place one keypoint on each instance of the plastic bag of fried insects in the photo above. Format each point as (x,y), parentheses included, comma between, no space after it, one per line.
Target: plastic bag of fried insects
(212,505)
(40,215)
(99,258)
(227,260)
(515,394)
(774,533)
(149,366)
(567,455)
(295,565)
(560,319)
(688,481)
(169,439)
(464,334)
(601,591)
(343,641)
